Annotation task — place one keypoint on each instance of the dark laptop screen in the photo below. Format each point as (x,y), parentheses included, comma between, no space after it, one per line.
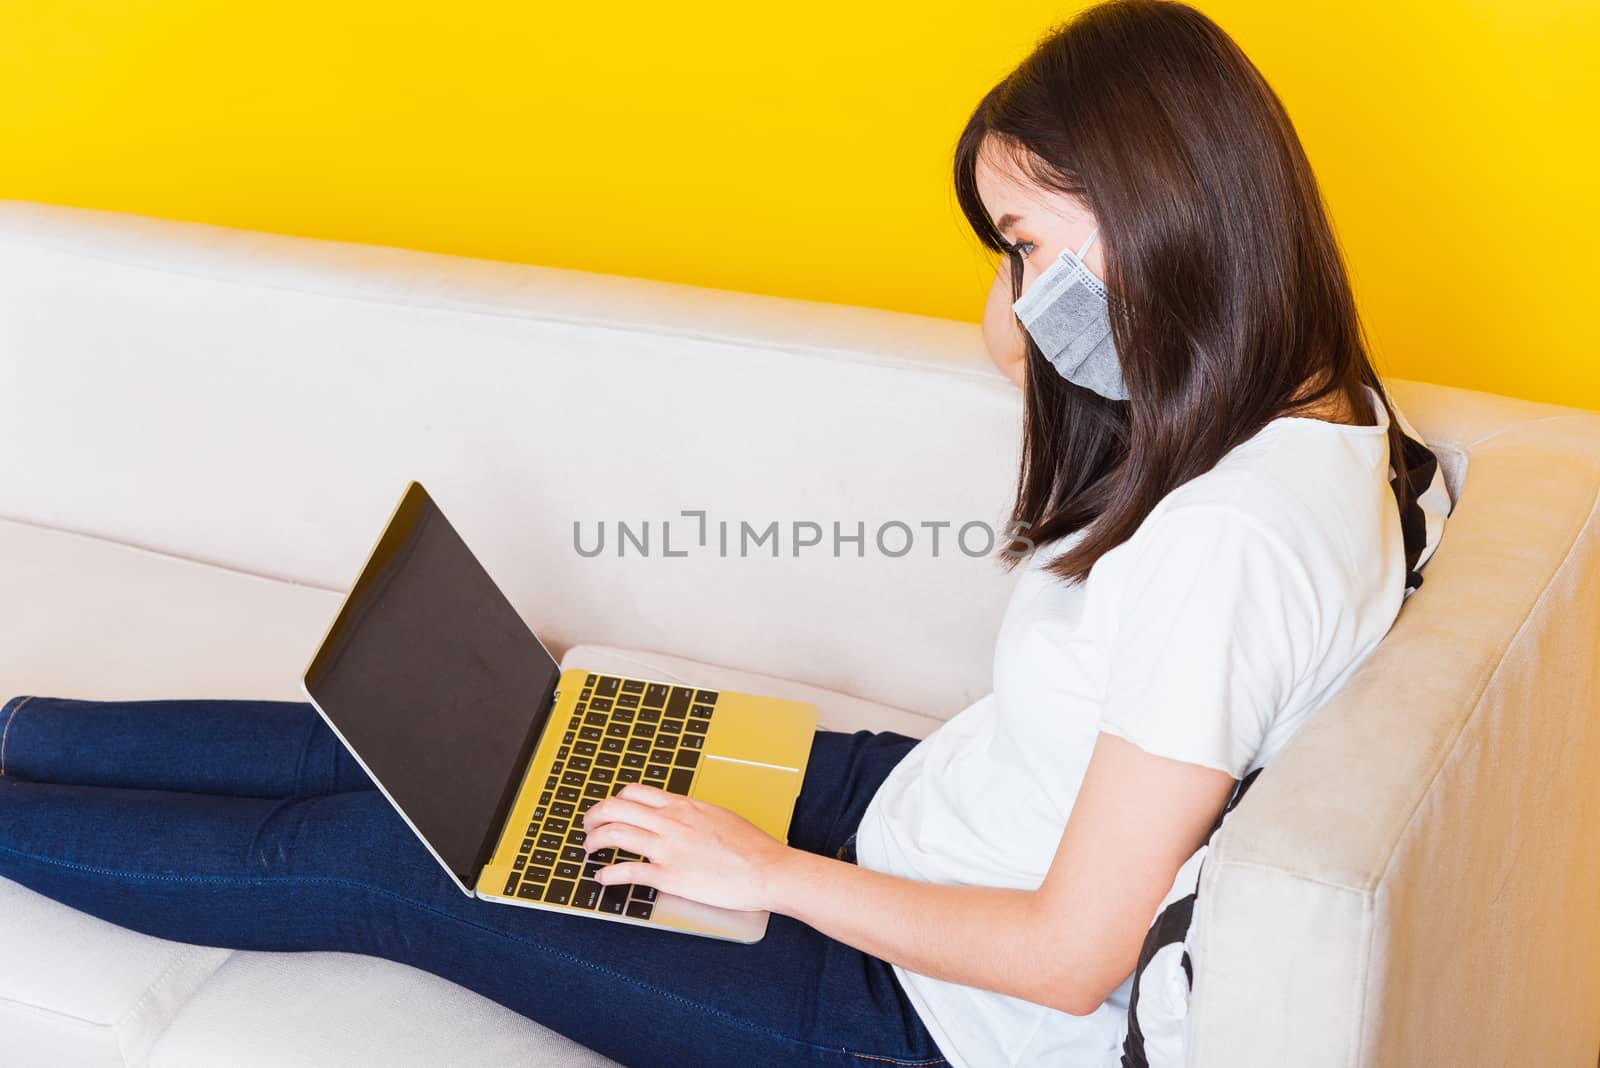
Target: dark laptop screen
(436,683)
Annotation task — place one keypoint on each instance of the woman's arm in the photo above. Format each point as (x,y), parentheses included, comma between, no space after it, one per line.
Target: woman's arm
(1066,944)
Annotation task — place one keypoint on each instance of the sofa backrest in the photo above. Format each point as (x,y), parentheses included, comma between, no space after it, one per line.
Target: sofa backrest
(1413,881)
(260,401)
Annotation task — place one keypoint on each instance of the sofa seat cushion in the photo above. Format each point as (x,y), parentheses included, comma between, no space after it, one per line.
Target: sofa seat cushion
(95,619)
(344,1010)
(78,991)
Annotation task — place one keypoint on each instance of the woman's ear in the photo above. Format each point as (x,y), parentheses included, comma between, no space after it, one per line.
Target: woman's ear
(1002,333)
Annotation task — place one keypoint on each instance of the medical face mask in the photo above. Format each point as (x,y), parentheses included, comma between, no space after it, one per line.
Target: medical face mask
(1066,314)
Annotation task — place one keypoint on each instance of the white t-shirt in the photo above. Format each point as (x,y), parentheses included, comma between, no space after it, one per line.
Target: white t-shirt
(1240,604)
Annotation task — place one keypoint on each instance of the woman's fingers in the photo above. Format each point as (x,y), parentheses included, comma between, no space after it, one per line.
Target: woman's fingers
(623,836)
(646,794)
(629,871)
(634,808)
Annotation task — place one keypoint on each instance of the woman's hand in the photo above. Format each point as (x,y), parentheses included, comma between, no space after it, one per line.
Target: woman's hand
(1002,334)
(697,849)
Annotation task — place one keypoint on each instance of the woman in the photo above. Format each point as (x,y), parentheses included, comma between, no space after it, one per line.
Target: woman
(1205,473)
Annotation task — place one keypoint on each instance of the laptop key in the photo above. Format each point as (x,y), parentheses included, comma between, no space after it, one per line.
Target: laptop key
(522,858)
(632,686)
(573,853)
(537,875)
(687,758)
(706,697)
(655,694)
(567,793)
(627,700)
(606,760)
(692,741)
(595,789)
(588,894)
(546,857)
(549,841)
(614,898)
(531,891)
(641,892)
(678,782)
(559,892)
(591,866)
(640,910)
(698,726)
(678,703)
(617,730)
(590,734)
(560,808)
(627,775)
(657,770)
(607,686)
(700,712)
(648,715)
(572,778)
(511,883)
(567,870)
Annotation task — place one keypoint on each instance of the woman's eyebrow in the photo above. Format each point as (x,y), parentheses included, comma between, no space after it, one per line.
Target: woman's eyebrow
(1007,221)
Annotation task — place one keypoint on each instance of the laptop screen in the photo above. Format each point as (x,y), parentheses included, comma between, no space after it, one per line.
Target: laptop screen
(436,684)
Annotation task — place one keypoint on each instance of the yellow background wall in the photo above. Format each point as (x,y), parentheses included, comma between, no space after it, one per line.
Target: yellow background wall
(804,150)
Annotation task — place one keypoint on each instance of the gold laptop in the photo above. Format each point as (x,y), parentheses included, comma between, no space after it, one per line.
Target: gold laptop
(492,754)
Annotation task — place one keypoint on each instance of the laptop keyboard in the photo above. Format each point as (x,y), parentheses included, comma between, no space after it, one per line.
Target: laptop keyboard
(624,730)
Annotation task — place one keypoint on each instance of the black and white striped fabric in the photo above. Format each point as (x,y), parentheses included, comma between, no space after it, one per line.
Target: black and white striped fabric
(1158,1002)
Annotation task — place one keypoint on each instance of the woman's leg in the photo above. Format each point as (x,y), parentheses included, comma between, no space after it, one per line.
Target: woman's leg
(343,872)
(235,748)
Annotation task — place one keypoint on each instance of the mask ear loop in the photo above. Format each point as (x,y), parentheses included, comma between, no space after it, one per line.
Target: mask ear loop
(1083,272)
(1088,241)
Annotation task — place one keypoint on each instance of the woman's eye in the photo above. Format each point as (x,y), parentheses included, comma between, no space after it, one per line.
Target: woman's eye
(1022,248)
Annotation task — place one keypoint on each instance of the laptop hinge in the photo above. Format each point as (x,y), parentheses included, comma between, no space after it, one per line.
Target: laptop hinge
(508,793)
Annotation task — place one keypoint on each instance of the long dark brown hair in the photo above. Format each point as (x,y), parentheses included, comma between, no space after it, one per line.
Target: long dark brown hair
(1227,290)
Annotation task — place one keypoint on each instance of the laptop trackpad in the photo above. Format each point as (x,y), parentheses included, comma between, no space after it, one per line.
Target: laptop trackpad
(763,795)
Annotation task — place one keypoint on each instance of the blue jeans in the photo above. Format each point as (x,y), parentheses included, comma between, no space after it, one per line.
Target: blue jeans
(246,824)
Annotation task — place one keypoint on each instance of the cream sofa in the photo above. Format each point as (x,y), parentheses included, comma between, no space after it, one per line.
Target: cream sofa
(201,429)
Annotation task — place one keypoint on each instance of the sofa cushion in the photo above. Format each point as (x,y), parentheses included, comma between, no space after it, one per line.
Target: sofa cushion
(344,1010)
(78,992)
(89,618)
